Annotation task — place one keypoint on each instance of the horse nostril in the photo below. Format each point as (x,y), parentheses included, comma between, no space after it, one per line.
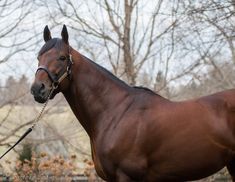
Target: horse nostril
(42,89)
(42,86)
(37,88)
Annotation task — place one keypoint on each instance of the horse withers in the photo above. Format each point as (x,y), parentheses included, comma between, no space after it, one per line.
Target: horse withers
(135,134)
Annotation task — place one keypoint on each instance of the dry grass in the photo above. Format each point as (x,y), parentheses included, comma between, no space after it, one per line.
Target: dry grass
(57,124)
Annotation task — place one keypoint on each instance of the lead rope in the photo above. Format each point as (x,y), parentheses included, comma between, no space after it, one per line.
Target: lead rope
(54,86)
(42,110)
(33,125)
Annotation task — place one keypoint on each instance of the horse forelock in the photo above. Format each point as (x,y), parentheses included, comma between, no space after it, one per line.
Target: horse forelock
(55,42)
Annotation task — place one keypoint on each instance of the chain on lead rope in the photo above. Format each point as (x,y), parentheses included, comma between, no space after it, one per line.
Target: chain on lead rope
(42,110)
(34,123)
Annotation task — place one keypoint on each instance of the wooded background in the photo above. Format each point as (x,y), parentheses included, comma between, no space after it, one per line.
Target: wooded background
(179,49)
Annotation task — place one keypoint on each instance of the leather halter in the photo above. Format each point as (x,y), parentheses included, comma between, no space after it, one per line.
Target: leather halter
(54,79)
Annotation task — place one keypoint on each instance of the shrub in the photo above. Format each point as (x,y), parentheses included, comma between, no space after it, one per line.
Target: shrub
(42,167)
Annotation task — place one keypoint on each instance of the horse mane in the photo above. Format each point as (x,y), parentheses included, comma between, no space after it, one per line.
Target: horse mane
(110,74)
(144,88)
(147,89)
(113,77)
(55,42)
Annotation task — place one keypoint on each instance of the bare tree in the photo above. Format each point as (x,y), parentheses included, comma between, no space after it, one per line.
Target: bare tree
(207,34)
(121,32)
(12,14)
(19,38)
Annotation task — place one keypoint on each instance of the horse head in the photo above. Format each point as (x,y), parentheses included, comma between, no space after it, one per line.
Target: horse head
(54,66)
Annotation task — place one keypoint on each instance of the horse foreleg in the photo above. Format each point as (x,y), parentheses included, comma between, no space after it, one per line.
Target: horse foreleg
(231,169)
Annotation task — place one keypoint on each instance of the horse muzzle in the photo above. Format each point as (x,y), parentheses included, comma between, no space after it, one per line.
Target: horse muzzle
(40,92)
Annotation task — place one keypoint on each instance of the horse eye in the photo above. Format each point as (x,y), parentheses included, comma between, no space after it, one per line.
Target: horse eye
(62,58)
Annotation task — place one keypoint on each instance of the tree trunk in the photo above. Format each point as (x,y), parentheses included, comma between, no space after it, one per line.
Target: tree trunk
(128,59)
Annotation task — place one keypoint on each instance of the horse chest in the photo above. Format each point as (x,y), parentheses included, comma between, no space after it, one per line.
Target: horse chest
(97,162)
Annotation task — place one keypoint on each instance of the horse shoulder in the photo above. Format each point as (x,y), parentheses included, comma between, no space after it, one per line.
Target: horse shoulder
(97,163)
(124,144)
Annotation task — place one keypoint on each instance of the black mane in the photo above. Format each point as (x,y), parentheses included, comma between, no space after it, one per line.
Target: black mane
(144,88)
(55,42)
(147,89)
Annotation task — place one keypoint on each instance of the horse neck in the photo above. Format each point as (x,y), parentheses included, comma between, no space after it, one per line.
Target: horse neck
(92,92)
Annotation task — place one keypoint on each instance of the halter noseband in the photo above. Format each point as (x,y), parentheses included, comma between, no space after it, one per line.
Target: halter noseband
(56,81)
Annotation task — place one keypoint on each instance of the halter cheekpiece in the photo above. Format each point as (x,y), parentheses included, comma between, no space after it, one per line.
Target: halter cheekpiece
(55,79)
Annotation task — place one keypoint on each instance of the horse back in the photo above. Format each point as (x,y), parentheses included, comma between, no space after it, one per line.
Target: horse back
(224,99)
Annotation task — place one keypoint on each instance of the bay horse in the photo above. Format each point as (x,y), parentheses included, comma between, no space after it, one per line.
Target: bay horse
(135,134)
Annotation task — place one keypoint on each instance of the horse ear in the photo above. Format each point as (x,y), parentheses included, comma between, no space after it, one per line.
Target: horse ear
(46,34)
(65,35)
